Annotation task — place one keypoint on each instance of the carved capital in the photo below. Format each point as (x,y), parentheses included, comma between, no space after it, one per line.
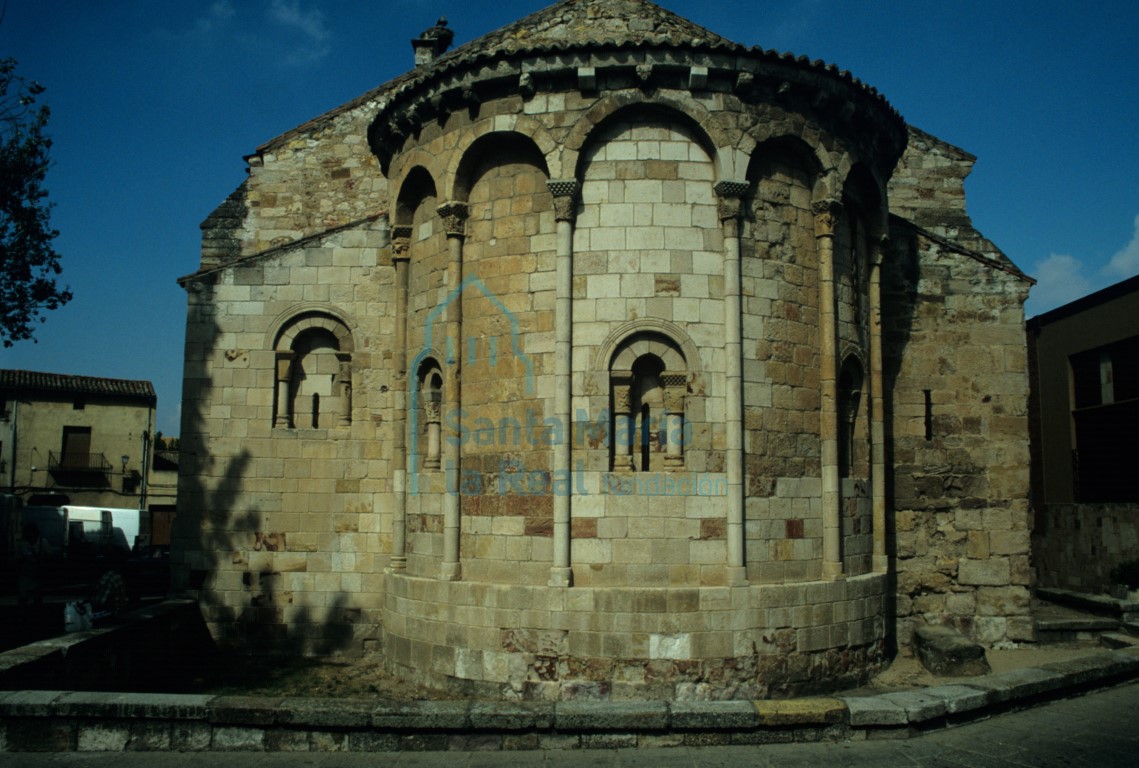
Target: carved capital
(454,215)
(878,250)
(284,364)
(431,411)
(622,393)
(401,242)
(826,216)
(729,198)
(565,193)
(675,388)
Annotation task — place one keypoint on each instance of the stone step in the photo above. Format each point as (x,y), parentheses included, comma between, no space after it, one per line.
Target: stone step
(1099,604)
(1070,629)
(1130,627)
(1119,640)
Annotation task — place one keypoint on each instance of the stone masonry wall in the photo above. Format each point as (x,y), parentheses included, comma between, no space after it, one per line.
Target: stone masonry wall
(1075,546)
(957,439)
(279,527)
(314,178)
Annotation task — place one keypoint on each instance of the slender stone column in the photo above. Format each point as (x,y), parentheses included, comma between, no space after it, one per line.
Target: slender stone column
(826,218)
(454,217)
(624,422)
(565,212)
(431,416)
(675,387)
(344,386)
(730,194)
(284,418)
(877,412)
(401,253)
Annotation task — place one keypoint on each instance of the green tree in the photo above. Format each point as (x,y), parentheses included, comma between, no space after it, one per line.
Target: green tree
(28,262)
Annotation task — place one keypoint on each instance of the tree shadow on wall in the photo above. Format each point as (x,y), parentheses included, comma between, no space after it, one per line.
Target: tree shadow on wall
(899,296)
(220,553)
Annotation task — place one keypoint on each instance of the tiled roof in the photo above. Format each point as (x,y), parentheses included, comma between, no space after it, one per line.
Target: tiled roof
(593,22)
(35,381)
(571,25)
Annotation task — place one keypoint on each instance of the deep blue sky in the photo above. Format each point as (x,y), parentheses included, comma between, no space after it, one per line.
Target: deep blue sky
(154,104)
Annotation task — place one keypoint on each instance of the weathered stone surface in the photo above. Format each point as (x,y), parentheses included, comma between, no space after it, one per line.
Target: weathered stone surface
(422,715)
(874,711)
(610,715)
(943,651)
(511,716)
(1018,683)
(919,705)
(958,698)
(712,715)
(103,738)
(635,388)
(339,713)
(797,712)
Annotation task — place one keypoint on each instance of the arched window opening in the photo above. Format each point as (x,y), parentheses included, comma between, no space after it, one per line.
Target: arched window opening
(314,374)
(430,413)
(648,384)
(849,398)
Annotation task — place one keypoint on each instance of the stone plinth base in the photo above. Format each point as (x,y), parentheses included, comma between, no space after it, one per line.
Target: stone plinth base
(541,642)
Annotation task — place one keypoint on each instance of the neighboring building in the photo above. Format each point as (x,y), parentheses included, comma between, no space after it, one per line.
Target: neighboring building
(605,356)
(78,440)
(1085,358)
(1084,361)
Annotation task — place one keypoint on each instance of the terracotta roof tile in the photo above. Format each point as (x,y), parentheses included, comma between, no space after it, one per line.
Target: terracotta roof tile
(37,381)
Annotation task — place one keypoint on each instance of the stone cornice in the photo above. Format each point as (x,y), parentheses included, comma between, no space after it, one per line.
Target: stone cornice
(469,76)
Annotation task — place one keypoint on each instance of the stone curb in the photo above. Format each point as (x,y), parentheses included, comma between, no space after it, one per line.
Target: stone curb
(96,721)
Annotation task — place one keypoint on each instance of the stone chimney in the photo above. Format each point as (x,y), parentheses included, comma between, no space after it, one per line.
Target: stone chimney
(432,43)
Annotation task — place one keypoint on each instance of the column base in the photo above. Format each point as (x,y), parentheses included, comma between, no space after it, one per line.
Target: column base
(561,577)
(735,576)
(450,572)
(881,564)
(397,564)
(833,572)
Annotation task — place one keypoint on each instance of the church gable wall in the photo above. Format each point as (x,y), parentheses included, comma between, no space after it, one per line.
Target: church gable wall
(956,362)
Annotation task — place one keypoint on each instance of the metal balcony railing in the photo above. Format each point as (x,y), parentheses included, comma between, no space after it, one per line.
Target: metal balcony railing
(77,462)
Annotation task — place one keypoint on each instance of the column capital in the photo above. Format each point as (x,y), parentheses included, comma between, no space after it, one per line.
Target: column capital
(826,213)
(401,242)
(454,215)
(878,250)
(565,192)
(285,359)
(730,195)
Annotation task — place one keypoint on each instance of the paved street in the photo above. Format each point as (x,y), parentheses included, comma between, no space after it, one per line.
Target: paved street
(1094,730)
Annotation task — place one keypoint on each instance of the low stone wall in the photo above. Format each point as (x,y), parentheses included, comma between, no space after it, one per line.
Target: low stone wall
(39,721)
(540,643)
(1075,546)
(160,647)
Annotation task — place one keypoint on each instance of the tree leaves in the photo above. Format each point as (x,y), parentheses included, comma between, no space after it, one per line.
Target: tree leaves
(29,264)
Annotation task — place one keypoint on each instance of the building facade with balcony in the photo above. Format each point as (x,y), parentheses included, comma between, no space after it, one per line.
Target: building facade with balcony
(78,440)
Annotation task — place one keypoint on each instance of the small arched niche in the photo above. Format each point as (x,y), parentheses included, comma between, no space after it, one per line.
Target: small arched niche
(314,374)
(648,385)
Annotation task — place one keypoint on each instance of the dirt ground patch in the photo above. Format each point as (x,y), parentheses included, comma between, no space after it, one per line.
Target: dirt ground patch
(907,672)
(324,678)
